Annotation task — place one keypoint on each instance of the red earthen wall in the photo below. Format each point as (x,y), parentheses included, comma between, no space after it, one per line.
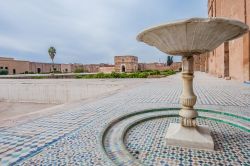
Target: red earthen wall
(239,68)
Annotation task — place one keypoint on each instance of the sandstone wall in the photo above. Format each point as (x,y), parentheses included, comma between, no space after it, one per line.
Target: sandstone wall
(54,90)
(35,67)
(107,69)
(14,67)
(234,61)
(159,66)
(91,68)
(66,68)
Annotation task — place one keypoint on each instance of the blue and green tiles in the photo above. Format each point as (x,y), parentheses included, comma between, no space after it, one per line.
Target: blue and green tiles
(146,142)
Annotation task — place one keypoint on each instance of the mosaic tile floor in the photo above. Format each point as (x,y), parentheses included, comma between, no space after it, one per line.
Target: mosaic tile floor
(73,136)
(147,143)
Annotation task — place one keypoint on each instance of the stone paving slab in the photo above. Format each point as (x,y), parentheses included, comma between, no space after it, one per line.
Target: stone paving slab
(72,137)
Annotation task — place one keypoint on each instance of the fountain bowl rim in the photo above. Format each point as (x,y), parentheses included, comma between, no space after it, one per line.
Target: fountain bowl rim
(239,23)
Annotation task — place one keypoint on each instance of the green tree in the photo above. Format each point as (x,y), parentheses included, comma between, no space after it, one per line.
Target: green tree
(52,54)
(170,60)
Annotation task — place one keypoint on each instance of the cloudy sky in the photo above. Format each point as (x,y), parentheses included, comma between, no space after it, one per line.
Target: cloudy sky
(86,31)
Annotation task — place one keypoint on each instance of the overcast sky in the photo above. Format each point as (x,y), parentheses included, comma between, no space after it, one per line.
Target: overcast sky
(86,31)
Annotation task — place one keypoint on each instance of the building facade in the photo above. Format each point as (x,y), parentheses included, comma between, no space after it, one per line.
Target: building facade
(231,59)
(66,68)
(13,66)
(126,63)
(37,67)
(130,64)
(24,67)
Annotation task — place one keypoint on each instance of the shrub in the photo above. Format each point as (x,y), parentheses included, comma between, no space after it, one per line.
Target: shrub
(116,75)
(4,72)
(38,77)
(78,76)
(154,72)
(100,75)
(147,71)
(143,75)
(56,71)
(133,75)
(168,72)
(123,75)
(88,76)
(79,70)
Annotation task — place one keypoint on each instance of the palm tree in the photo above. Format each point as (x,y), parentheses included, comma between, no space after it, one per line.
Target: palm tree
(169,60)
(52,54)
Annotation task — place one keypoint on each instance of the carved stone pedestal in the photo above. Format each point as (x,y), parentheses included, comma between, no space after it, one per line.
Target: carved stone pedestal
(187,133)
(192,137)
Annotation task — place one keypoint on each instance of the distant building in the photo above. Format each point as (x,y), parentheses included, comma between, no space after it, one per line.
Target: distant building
(14,66)
(21,67)
(66,68)
(38,67)
(127,63)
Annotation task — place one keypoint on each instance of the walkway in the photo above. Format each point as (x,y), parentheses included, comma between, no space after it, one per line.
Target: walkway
(73,135)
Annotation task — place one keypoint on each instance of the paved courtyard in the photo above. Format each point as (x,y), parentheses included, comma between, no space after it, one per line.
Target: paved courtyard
(97,132)
(10,110)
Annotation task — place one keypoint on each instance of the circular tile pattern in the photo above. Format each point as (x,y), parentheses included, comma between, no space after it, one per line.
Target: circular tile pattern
(146,143)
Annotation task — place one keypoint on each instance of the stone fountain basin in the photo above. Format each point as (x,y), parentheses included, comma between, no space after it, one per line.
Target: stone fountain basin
(192,36)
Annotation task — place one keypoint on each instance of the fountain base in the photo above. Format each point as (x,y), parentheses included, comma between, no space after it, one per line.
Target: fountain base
(191,137)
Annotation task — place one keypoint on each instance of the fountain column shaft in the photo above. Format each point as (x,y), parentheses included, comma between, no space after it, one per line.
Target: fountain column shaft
(187,133)
(188,98)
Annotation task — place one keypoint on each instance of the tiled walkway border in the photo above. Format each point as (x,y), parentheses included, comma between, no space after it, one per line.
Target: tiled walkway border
(130,125)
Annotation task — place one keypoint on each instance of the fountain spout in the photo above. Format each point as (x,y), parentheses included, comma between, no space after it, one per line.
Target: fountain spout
(188,99)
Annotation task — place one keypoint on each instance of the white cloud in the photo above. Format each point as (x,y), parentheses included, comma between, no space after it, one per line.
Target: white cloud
(83,30)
